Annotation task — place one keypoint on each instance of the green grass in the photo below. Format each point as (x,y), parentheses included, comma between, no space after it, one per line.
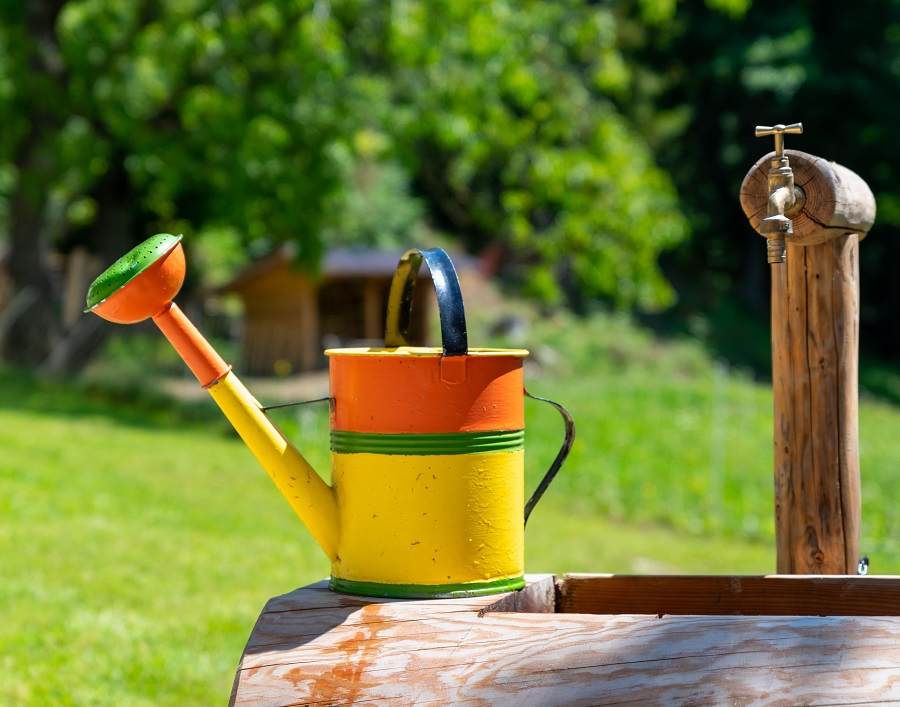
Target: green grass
(665,435)
(134,560)
(139,539)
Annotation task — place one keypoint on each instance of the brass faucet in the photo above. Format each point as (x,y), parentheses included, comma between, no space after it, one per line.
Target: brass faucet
(785,199)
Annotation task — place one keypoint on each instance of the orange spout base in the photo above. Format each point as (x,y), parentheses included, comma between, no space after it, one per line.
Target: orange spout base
(196,351)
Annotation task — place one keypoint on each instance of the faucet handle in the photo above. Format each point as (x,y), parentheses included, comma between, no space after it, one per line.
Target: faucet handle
(779,131)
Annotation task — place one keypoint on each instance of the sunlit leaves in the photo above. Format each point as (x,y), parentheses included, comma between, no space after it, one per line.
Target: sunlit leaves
(735,8)
(512,100)
(267,121)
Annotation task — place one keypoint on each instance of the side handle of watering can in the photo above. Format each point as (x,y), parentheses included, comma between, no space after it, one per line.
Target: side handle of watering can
(454,336)
(569,440)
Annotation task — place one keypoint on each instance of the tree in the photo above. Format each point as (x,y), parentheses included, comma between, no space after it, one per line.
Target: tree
(163,118)
(245,123)
(32,119)
(831,66)
(506,119)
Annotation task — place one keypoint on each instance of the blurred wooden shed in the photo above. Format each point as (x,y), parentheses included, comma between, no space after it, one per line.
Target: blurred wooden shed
(291,316)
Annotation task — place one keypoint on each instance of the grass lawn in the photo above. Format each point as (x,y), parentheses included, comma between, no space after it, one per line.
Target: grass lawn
(139,539)
(135,560)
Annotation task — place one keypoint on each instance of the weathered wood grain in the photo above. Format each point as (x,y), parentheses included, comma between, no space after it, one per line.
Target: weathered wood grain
(404,653)
(815,335)
(838,201)
(846,337)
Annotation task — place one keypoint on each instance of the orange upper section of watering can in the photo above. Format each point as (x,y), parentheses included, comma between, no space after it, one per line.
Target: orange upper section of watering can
(141,283)
(417,390)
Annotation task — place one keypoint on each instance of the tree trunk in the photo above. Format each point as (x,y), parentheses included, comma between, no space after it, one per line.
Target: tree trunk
(110,236)
(41,332)
(30,337)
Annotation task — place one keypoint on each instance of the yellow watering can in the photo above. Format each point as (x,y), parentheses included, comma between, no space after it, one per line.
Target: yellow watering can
(427,444)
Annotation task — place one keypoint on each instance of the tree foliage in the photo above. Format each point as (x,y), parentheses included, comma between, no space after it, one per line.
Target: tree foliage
(247,123)
(833,67)
(507,121)
(582,140)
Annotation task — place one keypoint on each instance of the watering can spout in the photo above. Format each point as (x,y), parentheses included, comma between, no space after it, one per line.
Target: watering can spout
(311,498)
(140,286)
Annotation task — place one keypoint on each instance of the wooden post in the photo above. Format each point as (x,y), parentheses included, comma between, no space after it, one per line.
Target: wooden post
(815,341)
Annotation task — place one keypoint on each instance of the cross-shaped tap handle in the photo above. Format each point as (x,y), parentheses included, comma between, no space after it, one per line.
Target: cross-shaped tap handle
(778,131)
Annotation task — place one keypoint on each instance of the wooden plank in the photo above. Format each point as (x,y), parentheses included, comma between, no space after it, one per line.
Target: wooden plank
(374,304)
(818,507)
(489,658)
(316,609)
(773,595)
(307,335)
(782,389)
(592,660)
(538,597)
(313,615)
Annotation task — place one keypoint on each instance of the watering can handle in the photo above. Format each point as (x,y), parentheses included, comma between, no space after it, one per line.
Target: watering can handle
(453,332)
(450,304)
(560,456)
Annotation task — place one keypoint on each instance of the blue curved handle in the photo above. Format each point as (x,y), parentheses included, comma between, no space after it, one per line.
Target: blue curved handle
(454,337)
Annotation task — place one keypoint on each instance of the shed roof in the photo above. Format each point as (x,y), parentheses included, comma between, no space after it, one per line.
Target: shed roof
(337,263)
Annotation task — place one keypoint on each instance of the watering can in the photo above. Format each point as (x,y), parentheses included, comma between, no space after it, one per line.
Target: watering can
(427,444)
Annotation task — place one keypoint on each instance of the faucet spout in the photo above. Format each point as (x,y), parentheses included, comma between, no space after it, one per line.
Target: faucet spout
(785,199)
(780,199)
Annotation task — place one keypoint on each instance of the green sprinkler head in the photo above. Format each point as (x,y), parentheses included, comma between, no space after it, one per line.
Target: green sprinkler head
(141,283)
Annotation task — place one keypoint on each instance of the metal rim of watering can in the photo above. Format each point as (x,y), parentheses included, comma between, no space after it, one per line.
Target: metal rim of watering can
(454,337)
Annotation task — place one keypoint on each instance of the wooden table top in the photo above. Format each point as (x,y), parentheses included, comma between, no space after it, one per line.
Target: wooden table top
(315,646)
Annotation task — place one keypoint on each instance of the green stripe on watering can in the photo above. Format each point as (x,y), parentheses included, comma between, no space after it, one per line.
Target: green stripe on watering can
(344,442)
(427,591)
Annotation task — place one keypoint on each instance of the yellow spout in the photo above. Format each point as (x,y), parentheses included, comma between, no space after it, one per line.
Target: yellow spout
(311,498)
(140,285)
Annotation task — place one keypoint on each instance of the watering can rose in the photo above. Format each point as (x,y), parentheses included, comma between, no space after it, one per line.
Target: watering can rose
(153,272)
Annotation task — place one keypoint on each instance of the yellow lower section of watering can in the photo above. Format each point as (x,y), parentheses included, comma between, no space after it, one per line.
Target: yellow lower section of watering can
(429,526)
